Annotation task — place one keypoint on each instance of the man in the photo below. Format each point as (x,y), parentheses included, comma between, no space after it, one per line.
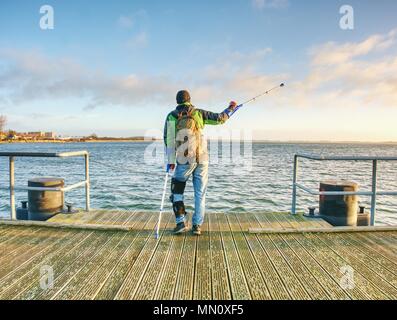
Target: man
(188,156)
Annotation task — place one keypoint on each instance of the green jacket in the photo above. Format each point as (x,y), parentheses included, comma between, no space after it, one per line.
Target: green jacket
(202,117)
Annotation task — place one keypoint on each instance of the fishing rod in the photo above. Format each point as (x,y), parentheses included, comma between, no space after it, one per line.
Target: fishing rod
(256,97)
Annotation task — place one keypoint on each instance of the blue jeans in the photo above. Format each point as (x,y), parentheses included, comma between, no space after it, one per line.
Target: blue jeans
(200,182)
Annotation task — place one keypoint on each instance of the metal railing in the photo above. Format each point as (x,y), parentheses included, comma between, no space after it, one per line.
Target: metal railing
(12,187)
(374,190)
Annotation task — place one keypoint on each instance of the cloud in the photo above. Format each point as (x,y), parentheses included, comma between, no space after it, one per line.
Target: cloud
(332,53)
(345,75)
(137,19)
(235,75)
(32,76)
(129,21)
(139,41)
(232,63)
(270,4)
(125,22)
(355,72)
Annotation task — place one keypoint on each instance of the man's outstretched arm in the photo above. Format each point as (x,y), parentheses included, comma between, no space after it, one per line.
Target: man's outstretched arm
(213,118)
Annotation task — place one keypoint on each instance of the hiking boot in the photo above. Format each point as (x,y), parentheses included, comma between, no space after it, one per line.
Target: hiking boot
(196,230)
(180,228)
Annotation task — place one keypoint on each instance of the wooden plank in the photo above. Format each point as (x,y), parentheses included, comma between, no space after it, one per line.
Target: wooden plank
(10,239)
(53,225)
(77,218)
(298,221)
(3,230)
(95,281)
(371,250)
(101,217)
(98,276)
(28,275)
(289,220)
(148,286)
(376,285)
(315,222)
(281,218)
(255,281)
(326,281)
(306,222)
(112,285)
(169,275)
(203,276)
(109,218)
(292,283)
(224,263)
(56,261)
(20,264)
(390,237)
(305,276)
(79,279)
(92,265)
(294,286)
(25,247)
(129,218)
(387,243)
(184,282)
(238,282)
(138,269)
(93,217)
(273,281)
(220,282)
(376,243)
(333,264)
(72,263)
(118,218)
(123,217)
(325,230)
(268,221)
(144,220)
(64,217)
(138,220)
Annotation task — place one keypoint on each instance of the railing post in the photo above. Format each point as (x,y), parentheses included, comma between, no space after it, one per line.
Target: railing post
(87,182)
(374,190)
(12,191)
(293,209)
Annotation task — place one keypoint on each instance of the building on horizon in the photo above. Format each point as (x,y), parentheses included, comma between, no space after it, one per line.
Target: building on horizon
(50,135)
(35,135)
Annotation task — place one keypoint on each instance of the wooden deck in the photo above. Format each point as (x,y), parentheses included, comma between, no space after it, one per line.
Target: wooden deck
(226,262)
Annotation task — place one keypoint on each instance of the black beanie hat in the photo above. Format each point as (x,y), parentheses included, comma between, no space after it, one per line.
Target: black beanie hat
(182,97)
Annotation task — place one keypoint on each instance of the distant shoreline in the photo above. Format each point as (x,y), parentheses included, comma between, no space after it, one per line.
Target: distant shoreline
(77,141)
(116,140)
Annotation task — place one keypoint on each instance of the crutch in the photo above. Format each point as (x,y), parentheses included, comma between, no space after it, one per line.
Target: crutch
(162,203)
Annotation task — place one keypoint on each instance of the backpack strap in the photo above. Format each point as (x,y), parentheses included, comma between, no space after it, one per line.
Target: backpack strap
(179,114)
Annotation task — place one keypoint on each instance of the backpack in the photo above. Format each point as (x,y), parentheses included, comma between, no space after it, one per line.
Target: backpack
(191,135)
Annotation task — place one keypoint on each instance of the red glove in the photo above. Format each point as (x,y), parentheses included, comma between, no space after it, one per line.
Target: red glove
(171,167)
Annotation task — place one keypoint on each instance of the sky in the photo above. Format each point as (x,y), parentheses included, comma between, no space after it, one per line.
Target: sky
(113,67)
